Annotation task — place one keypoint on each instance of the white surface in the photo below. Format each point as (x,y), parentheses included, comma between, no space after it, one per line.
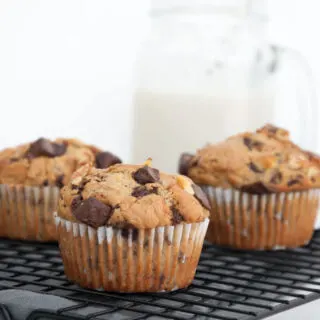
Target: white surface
(309,311)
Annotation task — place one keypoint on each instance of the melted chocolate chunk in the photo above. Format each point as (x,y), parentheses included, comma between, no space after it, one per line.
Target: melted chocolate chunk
(45,148)
(91,212)
(184,163)
(45,183)
(146,175)
(253,167)
(276,178)
(59,181)
(106,159)
(176,216)
(201,196)
(255,188)
(141,191)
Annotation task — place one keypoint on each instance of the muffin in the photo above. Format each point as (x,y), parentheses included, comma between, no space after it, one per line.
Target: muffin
(263,189)
(31,176)
(130,228)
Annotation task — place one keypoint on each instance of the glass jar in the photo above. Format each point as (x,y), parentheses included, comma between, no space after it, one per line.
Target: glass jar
(206,72)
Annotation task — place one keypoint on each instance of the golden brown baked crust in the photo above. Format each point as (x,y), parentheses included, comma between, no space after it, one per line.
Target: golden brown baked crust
(117,196)
(256,162)
(17,167)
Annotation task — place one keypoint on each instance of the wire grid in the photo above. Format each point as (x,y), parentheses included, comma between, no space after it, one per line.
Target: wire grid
(229,285)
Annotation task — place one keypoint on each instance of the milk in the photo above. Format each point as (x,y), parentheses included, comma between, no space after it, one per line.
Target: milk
(165,125)
(204,75)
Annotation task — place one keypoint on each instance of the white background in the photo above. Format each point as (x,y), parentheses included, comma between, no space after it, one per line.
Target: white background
(66,65)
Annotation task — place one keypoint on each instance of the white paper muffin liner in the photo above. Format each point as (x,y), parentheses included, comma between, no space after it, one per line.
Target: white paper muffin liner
(269,221)
(131,260)
(26,212)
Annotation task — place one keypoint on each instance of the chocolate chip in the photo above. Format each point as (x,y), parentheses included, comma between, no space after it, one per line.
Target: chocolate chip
(92,212)
(276,178)
(252,144)
(106,159)
(79,187)
(141,191)
(184,163)
(146,175)
(59,149)
(253,167)
(271,128)
(59,181)
(45,183)
(201,196)
(76,202)
(14,160)
(176,216)
(293,182)
(45,148)
(247,141)
(255,188)
(134,233)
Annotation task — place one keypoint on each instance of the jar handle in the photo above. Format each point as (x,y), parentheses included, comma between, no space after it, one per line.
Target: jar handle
(306,94)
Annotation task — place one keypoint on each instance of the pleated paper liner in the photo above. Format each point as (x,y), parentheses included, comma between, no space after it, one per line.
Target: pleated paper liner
(26,212)
(261,222)
(131,260)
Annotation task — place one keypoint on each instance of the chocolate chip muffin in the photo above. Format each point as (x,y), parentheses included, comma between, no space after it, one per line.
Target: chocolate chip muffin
(263,189)
(31,176)
(130,228)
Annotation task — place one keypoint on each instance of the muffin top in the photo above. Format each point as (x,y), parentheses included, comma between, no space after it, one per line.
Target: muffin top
(131,196)
(265,161)
(44,162)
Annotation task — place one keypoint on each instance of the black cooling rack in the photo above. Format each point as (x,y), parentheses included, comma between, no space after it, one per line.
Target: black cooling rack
(228,285)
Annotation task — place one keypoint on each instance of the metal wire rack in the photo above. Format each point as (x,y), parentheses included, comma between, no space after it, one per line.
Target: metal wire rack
(229,285)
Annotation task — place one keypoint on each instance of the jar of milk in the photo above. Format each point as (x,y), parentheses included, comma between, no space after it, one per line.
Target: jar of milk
(207,71)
